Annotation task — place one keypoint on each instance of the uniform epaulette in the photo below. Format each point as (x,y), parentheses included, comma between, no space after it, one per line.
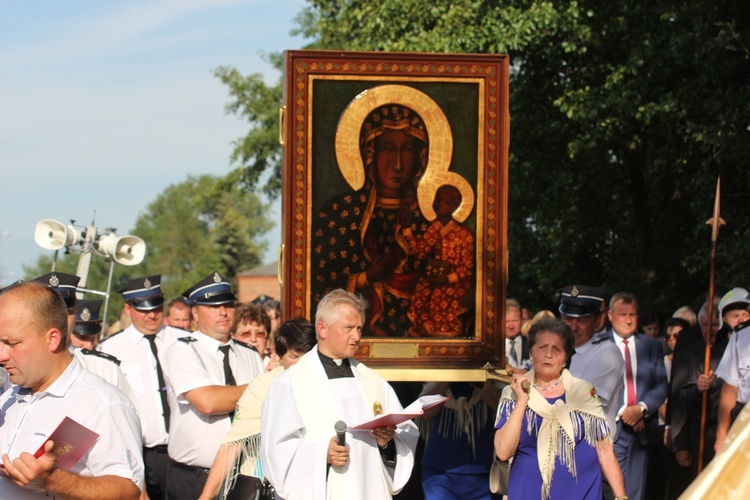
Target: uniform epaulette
(742,326)
(110,336)
(600,337)
(187,340)
(178,329)
(100,354)
(243,344)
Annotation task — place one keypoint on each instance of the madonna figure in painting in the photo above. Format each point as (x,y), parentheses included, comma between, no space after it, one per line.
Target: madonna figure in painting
(357,243)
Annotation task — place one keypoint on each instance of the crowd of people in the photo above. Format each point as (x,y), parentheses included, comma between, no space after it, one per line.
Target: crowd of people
(228,402)
(649,378)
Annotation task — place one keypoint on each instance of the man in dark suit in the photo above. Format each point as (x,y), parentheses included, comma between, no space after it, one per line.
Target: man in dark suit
(645,390)
(516,345)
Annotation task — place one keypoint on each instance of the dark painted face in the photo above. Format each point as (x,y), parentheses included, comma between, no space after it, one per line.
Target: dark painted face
(447,200)
(396,161)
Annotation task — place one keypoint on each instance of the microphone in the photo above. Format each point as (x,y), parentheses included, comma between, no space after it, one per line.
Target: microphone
(340,428)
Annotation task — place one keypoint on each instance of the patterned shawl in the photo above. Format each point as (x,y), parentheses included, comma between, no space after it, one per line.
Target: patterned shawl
(561,423)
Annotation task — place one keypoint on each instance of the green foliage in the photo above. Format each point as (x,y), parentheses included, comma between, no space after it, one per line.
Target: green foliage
(193,228)
(623,116)
(202,225)
(258,151)
(640,120)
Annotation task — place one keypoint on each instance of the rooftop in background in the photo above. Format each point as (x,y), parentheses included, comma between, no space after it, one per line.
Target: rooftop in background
(261,280)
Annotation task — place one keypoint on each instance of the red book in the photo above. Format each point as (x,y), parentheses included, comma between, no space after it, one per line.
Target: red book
(71,442)
(414,410)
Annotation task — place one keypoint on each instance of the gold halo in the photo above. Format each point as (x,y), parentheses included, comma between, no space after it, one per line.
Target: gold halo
(428,188)
(348,154)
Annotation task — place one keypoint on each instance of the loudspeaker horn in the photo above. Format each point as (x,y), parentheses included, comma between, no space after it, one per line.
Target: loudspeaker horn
(126,250)
(53,235)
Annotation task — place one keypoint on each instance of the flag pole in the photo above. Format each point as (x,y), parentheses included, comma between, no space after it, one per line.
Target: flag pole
(714,222)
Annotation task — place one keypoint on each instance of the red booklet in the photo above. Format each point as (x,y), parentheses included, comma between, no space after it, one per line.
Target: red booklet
(414,410)
(71,441)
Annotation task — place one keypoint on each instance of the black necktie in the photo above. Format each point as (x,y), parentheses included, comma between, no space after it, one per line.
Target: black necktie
(160,378)
(228,375)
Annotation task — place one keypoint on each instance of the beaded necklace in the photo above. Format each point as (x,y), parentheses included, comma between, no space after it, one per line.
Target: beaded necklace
(548,387)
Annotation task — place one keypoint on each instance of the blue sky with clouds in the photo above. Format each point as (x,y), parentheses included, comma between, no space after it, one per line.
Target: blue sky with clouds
(105,104)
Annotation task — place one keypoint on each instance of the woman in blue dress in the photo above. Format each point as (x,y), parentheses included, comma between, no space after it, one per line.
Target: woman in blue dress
(555,431)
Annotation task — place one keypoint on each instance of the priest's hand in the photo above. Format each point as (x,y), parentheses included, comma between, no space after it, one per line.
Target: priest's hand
(337,455)
(384,434)
(27,470)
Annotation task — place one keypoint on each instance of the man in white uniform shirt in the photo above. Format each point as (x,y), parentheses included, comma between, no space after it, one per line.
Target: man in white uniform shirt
(49,386)
(207,372)
(734,368)
(179,314)
(299,449)
(142,349)
(104,365)
(595,359)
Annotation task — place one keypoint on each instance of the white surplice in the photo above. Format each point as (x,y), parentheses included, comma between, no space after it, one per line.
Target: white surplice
(297,423)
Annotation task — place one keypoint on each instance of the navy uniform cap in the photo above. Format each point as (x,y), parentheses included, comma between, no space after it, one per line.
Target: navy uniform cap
(262,299)
(211,290)
(580,300)
(144,294)
(88,321)
(64,284)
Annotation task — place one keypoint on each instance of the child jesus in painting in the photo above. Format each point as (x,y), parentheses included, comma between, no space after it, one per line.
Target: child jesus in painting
(442,296)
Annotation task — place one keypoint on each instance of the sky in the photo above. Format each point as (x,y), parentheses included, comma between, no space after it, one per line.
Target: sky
(104,104)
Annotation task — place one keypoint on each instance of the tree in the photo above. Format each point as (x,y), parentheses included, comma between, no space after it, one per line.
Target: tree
(623,115)
(202,225)
(193,228)
(258,152)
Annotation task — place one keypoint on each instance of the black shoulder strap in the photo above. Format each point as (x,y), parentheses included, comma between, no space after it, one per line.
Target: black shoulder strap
(110,336)
(246,345)
(104,355)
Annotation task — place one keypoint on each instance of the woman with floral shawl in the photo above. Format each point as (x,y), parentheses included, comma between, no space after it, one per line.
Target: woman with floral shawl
(556,433)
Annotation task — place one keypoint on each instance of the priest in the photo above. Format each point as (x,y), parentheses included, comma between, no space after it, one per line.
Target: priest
(302,455)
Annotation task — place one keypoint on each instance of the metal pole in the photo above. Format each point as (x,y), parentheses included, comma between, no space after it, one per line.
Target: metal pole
(714,222)
(106,299)
(84,261)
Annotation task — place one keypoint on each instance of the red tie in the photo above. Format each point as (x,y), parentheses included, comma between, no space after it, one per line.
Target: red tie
(629,375)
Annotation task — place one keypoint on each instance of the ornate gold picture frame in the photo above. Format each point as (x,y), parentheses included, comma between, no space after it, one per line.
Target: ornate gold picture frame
(395,188)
